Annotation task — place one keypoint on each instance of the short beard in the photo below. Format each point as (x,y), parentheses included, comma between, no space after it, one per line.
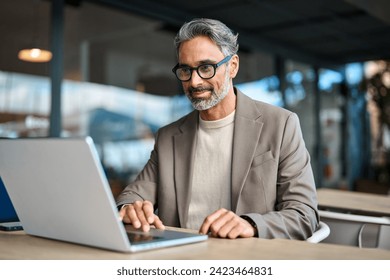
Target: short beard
(202,104)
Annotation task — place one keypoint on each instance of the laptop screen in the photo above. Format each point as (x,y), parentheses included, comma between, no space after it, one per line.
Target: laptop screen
(7,211)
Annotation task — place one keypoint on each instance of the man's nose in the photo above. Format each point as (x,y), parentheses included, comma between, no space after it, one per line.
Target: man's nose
(195,78)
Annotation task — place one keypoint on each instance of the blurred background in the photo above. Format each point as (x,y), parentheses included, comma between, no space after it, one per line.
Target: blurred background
(109,76)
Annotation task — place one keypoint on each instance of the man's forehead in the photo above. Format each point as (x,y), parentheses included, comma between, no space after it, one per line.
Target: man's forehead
(199,49)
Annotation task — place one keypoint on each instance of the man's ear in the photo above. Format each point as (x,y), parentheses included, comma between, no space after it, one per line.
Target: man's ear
(234,65)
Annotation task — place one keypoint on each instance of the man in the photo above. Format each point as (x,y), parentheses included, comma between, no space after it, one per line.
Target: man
(234,167)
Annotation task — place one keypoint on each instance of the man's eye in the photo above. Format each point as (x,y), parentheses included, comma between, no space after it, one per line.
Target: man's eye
(205,68)
(184,70)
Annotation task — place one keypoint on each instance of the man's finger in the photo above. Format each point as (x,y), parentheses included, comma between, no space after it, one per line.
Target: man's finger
(208,222)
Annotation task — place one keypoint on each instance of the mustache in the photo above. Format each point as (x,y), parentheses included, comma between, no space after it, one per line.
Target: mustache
(199,89)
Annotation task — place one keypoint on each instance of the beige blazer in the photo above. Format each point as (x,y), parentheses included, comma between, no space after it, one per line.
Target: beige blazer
(272,180)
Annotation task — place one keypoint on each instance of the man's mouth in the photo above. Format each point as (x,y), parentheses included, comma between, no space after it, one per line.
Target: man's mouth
(198,91)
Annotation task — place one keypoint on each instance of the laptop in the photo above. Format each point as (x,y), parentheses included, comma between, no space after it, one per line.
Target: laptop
(9,220)
(59,190)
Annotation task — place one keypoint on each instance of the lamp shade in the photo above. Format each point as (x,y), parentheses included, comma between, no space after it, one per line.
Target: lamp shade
(35,55)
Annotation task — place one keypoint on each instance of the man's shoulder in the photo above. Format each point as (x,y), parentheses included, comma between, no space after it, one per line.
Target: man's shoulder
(273,110)
(174,126)
(264,109)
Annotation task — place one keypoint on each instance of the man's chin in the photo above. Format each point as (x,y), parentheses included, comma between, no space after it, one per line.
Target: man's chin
(198,105)
(203,105)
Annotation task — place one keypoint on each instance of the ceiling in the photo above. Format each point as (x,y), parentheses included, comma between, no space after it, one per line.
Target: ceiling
(319,32)
(323,33)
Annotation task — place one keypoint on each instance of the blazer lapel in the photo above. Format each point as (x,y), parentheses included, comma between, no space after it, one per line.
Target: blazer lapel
(247,130)
(184,145)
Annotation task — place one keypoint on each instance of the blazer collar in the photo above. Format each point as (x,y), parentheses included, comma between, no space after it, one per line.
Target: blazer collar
(184,149)
(247,130)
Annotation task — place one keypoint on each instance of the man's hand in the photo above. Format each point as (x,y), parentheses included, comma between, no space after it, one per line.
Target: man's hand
(141,215)
(226,224)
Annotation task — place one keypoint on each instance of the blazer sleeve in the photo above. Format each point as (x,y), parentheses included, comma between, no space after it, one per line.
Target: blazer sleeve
(144,186)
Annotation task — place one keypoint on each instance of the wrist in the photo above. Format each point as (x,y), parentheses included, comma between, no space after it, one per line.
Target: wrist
(253,224)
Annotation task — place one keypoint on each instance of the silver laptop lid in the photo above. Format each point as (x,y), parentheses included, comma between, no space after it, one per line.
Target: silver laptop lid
(59,190)
(53,180)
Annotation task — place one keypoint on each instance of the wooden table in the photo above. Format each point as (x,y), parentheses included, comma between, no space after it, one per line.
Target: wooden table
(354,202)
(20,246)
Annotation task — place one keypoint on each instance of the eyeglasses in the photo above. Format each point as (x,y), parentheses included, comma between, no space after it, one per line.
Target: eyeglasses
(205,71)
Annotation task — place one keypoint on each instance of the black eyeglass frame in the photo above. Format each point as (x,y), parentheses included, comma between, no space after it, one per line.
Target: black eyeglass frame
(215,66)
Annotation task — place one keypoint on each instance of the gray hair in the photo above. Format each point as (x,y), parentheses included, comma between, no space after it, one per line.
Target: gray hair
(218,32)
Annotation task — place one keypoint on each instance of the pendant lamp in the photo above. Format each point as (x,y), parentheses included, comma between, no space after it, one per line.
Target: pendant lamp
(35,53)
